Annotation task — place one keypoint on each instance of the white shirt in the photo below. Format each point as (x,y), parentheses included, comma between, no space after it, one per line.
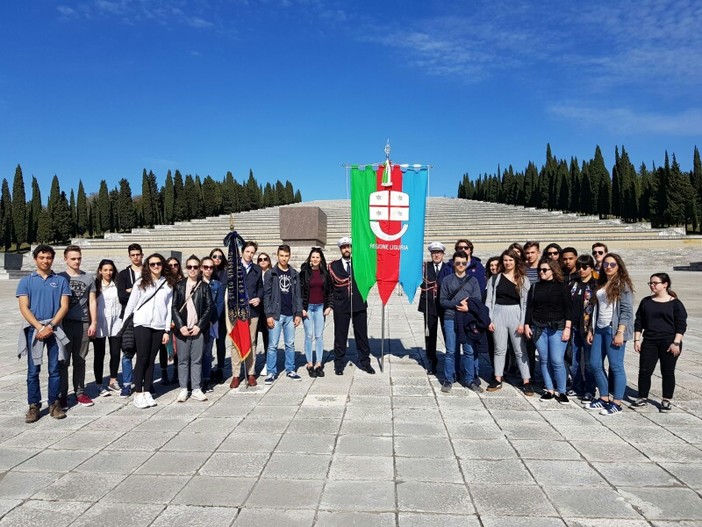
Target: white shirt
(605,310)
(108,311)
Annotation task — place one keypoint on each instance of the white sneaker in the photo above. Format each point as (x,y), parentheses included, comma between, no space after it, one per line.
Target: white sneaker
(264,371)
(198,395)
(139,401)
(149,399)
(182,396)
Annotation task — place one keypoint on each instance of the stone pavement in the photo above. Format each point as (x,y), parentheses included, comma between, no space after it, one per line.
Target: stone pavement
(382,450)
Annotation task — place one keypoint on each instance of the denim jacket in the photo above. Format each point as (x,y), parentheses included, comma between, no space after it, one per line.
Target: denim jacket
(622,314)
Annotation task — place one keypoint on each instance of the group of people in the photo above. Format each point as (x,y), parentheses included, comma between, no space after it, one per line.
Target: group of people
(576,310)
(154,307)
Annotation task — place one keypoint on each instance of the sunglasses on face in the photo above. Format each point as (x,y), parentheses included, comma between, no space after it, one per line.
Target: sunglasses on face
(463,248)
(192,267)
(582,266)
(460,264)
(206,267)
(216,257)
(610,265)
(596,253)
(263,259)
(155,264)
(651,284)
(544,269)
(173,265)
(552,253)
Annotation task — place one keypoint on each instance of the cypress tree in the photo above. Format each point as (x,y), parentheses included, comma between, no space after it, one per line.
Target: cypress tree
(72,210)
(125,209)
(19,209)
(82,217)
(600,177)
(617,184)
(298,196)
(6,226)
(54,209)
(587,201)
(44,234)
(103,213)
(180,210)
(228,196)
(211,196)
(576,180)
(34,212)
(146,201)
(168,200)
(62,219)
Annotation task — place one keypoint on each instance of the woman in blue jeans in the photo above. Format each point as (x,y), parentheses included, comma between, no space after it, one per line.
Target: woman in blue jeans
(612,325)
(317,301)
(549,320)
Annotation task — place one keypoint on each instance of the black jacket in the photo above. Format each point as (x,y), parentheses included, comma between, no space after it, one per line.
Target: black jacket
(202,298)
(431,286)
(254,288)
(125,280)
(345,290)
(306,276)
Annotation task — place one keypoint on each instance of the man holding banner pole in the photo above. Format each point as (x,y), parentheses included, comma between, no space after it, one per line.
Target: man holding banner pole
(349,307)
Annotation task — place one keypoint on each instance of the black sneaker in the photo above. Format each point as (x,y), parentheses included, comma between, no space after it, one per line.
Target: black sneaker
(547,396)
(528,390)
(494,386)
(562,398)
(640,402)
(446,387)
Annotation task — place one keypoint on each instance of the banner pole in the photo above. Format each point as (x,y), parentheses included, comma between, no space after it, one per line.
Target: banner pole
(382,338)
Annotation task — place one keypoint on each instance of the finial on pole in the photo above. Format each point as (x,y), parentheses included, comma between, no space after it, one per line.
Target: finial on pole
(231,221)
(387,171)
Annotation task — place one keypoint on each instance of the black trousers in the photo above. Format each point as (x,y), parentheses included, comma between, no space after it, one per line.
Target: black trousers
(148,342)
(431,323)
(99,361)
(360,334)
(651,352)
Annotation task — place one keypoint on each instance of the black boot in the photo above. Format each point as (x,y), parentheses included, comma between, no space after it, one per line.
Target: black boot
(164,376)
(320,371)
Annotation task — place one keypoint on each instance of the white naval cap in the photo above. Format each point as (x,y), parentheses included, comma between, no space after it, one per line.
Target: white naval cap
(343,241)
(436,246)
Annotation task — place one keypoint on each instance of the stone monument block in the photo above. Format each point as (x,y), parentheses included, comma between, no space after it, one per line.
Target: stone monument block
(303,226)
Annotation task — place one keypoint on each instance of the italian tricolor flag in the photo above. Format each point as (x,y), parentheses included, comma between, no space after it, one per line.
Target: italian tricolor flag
(387,228)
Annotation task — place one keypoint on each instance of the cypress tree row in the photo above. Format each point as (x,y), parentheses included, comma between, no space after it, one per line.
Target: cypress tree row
(180,199)
(665,196)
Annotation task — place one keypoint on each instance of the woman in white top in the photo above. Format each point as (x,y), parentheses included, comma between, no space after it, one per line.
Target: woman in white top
(151,303)
(108,325)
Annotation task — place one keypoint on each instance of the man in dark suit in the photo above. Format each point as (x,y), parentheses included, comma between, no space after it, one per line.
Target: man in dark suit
(254,290)
(349,307)
(434,272)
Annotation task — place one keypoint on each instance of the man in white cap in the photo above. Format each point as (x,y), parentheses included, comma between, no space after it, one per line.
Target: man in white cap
(435,270)
(349,307)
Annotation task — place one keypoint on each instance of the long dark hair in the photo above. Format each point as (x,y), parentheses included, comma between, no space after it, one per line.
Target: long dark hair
(621,281)
(98,277)
(555,269)
(147,281)
(223,262)
(488,274)
(323,261)
(180,275)
(666,280)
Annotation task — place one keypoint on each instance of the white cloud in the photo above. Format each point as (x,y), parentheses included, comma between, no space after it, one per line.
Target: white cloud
(626,121)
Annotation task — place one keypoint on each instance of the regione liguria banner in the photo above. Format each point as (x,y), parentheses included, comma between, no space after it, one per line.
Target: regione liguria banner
(387,228)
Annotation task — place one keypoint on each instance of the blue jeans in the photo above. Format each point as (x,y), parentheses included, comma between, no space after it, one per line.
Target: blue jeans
(286,325)
(580,370)
(33,385)
(127,368)
(551,352)
(314,330)
(602,347)
(467,363)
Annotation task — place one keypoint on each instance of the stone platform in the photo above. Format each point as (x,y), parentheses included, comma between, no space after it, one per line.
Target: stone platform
(357,450)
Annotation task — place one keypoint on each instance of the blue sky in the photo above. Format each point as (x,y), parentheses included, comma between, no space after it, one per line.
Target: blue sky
(100,89)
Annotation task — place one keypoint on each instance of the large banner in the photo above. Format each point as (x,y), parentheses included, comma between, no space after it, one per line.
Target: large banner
(387,228)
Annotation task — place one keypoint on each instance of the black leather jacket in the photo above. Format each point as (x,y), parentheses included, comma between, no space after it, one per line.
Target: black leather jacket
(202,298)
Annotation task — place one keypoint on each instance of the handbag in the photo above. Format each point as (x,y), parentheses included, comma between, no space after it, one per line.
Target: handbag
(126,334)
